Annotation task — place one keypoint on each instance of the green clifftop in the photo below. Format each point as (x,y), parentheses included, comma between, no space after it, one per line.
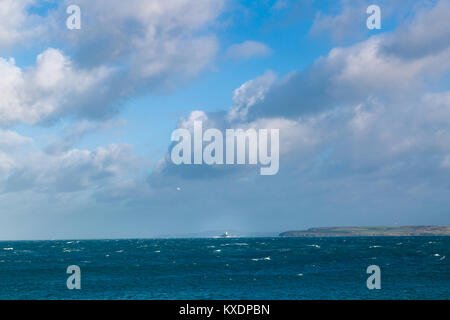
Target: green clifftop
(370,231)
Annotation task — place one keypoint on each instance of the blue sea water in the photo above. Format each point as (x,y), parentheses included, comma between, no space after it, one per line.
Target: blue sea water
(233,268)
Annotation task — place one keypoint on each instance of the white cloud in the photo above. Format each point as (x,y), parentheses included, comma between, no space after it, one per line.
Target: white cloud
(348,24)
(16,25)
(122,49)
(248,49)
(250,93)
(6,162)
(74,132)
(10,140)
(196,115)
(362,111)
(72,170)
(425,35)
(52,87)
(361,128)
(281,4)
(446,162)
(160,43)
(375,67)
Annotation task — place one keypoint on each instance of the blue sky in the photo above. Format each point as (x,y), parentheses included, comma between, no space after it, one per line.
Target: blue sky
(86,115)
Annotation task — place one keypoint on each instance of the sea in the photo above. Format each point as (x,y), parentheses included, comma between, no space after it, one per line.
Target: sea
(228,268)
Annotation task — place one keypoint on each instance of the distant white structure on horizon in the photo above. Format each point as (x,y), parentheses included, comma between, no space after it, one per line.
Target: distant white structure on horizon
(226,235)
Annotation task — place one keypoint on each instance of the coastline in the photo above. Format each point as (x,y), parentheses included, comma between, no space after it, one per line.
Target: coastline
(381,231)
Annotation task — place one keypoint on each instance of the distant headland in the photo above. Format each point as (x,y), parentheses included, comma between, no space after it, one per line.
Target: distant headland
(370,231)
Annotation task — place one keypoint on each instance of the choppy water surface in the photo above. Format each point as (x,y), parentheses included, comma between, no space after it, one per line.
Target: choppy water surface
(236,268)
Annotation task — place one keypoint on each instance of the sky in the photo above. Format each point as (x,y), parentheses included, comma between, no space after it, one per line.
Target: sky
(86,115)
